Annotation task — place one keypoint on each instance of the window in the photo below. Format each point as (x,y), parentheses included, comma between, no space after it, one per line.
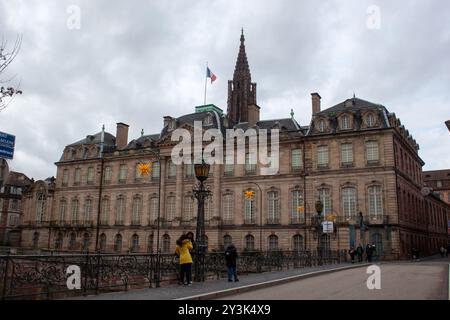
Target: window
(228,208)
(439,184)
(87,210)
(120,210)
(188,208)
(227,240)
(137,172)
(297,207)
(40,207)
(249,242)
(375,201)
(77,178)
(250,163)
(372,151)
(349,202)
(208,120)
(122,173)
(172,169)
(65,177)
(74,213)
(298,243)
(273,242)
(155,169)
(105,211)
(90,175)
(273,207)
(321,126)
(103,243)
(170,214)
(208,208)
(346,153)
(137,208)
(296,160)
(72,241)
(345,123)
(189,168)
(118,243)
(14,206)
(135,243)
(107,176)
(36,240)
(166,244)
(153,209)
(322,156)
(325,198)
(249,205)
(62,210)
(86,242)
(377,240)
(370,120)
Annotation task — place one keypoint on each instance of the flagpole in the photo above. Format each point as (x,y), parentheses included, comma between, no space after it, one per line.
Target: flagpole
(206,82)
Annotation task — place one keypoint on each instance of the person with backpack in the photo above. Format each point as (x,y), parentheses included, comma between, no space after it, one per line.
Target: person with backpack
(184,245)
(231,262)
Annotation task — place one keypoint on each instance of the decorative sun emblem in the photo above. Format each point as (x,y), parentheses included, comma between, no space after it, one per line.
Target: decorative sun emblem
(144,168)
(331,217)
(300,209)
(249,195)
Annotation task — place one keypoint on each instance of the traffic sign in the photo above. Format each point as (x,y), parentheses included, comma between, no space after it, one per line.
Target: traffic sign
(7,143)
(327,227)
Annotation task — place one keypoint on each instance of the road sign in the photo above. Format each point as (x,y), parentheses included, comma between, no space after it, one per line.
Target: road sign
(327,227)
(7,143)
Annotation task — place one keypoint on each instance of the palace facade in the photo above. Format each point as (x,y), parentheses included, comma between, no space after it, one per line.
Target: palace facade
(356,157)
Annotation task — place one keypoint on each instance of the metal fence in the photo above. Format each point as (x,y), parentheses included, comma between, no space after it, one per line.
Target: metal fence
(45,276)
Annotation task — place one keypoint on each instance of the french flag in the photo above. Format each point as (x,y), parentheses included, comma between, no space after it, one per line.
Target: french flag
(211,75)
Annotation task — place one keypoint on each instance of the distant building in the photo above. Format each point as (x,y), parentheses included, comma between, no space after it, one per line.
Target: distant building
(356,157)
(439,182)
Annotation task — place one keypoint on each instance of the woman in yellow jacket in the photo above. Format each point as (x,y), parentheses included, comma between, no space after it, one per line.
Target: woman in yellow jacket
(184,245)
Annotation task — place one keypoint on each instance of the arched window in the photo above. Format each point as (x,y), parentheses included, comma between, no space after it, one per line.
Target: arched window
(171,209)
(349,202)
(87,210)
(325,198)
(62,210)
(297,207)
(150,244)
(120,210)
(153,207)
(370,120)
(105,211)
(345,123)
(188,208)
(135,243)
(86,242)
(227,240)
(118,243)
(298,243)
(375,201)
(137,209)
(250,210)
(72,241)
(103,243)
(59,241)
(249,242)
(228,208)
(74,213)
(273,207)
(166,243)
(40,207)
(273,242)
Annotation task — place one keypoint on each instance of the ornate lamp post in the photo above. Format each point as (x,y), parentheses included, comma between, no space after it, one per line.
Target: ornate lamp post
(201,193)
(249,195)
(319,209)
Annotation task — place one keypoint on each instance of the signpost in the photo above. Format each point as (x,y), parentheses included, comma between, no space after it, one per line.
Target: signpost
(7,143)
(327,227)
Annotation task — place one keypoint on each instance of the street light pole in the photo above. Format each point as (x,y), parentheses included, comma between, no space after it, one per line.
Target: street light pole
(260,214)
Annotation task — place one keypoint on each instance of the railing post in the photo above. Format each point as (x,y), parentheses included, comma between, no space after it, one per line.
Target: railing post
(85,273)
(5,277)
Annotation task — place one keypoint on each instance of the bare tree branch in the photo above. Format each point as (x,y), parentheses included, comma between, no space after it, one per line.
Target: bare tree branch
(6,58)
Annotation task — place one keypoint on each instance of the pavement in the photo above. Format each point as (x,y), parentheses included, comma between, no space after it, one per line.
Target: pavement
(203,290)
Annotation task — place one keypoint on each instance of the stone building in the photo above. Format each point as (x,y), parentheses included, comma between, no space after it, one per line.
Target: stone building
(439,182)
(356,157)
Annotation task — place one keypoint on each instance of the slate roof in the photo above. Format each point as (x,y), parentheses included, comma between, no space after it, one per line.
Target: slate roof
(110,140)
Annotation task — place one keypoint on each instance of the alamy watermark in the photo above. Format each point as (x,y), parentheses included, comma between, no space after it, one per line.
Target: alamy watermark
(374,280)
(74,19)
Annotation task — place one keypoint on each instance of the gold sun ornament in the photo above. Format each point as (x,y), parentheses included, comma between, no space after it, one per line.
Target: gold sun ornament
(249,194)
(144,168)
(331,217)
(300,209)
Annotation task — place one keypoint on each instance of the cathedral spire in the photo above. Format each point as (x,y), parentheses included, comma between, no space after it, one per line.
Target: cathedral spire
(242,69)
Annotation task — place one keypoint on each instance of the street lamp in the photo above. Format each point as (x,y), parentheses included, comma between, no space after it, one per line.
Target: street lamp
(200,193)
(319,209)
(260,214)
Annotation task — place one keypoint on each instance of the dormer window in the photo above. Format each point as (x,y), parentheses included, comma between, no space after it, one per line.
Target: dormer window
(345,123)
(172,124)
(208,120)
(370,120)
(321,126)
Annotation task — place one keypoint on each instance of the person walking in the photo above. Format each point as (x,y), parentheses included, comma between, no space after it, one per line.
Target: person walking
(184,245)
(359,253)
(369,252)
(231,262)
(352,253)
(442,251)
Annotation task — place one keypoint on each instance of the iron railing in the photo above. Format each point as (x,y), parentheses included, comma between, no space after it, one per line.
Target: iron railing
(45,276)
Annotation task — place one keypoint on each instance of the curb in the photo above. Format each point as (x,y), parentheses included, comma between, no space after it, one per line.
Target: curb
(261,285)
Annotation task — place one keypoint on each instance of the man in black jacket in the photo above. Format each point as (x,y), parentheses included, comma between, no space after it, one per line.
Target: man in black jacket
(230,259)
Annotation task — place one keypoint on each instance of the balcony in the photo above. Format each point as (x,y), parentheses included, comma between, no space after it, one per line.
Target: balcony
(297,220)
(273,221)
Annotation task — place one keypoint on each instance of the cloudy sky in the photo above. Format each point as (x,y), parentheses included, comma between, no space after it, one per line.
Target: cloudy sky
(137,61)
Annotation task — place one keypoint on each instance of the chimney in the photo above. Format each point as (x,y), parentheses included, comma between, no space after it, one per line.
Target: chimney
(167,120)
(121,135)
(315,102)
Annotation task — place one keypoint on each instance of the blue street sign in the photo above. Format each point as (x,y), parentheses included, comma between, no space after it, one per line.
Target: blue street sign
(7,143)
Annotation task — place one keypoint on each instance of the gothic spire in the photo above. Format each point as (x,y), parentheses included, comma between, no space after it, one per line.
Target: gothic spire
(242,69)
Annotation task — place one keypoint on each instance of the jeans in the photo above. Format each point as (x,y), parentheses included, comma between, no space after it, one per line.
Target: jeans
(232,272)
(185,269)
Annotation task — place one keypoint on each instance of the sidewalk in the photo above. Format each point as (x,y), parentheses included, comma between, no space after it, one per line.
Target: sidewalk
(210,288)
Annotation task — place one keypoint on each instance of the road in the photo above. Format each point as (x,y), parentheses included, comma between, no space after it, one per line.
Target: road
(400,281)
